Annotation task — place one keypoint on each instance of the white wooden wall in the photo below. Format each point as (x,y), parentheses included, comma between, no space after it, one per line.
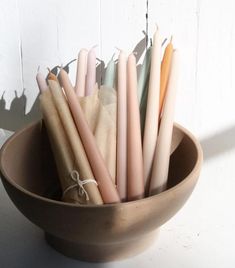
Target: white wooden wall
(51,32)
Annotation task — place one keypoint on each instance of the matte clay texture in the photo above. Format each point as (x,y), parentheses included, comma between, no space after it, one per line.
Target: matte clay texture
(99,232)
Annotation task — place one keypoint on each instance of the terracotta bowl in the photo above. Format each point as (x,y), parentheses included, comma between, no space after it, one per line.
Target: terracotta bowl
(92,233)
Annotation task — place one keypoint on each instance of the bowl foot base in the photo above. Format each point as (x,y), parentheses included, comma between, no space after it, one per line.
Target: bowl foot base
(101,252)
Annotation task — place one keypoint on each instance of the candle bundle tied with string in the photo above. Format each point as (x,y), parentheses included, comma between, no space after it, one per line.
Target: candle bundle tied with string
(112,143)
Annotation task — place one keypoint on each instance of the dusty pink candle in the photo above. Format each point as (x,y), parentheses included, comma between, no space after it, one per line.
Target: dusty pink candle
(122,127)
(91,72)
(81,73)
(134,147)
(106,186)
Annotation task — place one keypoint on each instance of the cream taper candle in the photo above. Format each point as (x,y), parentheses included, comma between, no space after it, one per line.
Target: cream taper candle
(152,110)
(159,174)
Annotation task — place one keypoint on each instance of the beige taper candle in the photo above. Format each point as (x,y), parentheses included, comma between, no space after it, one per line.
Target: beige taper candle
(151,118)
(80,158)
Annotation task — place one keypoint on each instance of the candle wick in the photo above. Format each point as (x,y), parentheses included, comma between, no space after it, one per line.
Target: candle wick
(118,49)
(99,59)
(171,38)
(164,41)
(113,56)
(38,68)
(157,28)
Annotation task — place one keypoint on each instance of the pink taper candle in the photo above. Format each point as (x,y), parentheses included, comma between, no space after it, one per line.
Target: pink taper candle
(106,186)
(122,127)
(162,153)
(81,73)
(91,72)
(41,81)
(151,119)
(134,146)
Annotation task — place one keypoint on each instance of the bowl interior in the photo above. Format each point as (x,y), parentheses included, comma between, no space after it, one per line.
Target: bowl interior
(27,161)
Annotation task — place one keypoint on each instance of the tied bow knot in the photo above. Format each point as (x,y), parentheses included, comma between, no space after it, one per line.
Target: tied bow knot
(74,175)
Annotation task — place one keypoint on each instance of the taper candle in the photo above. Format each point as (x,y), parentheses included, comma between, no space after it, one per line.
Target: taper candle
(144,74)
(79,156)
(81,73)
(165,69)
(135,177)
(41,81)
(106,186)
(91,72)
(152,110)
(160,169)
(110,74)
(122,127)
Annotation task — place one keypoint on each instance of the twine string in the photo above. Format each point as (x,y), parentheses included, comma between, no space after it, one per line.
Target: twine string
(74,175)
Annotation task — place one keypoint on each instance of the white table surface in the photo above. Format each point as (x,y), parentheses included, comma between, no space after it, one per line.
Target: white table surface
(201,235)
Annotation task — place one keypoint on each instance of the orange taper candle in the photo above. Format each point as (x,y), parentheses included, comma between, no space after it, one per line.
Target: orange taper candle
(165,69)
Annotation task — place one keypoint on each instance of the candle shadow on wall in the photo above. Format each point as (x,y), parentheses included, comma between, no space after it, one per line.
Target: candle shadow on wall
(15,118)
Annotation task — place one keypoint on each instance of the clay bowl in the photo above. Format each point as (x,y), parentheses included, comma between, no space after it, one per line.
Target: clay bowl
(92,233)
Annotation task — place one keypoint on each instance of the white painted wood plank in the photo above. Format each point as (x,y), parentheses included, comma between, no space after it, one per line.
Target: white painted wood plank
(122,23)
(179,18)
(215,93)
(52,33)
(10,64)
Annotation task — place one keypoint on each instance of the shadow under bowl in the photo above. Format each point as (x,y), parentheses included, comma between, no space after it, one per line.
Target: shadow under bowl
(92,233)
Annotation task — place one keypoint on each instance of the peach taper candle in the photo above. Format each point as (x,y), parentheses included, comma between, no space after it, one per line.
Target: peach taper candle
(135,173)
(81,73)
(106,186)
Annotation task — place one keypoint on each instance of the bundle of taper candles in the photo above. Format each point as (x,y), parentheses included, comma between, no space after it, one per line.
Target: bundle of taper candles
(112,144)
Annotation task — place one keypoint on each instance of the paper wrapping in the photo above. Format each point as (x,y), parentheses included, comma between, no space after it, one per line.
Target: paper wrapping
(100,112)
(80,159)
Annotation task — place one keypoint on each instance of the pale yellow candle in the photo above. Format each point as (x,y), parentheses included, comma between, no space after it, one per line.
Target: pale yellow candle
(81,73)
(122,127)
(106,186)
(134,146)
(151,119)
(159,174)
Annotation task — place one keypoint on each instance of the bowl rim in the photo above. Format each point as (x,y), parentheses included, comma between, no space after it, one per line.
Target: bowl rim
(195,170)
